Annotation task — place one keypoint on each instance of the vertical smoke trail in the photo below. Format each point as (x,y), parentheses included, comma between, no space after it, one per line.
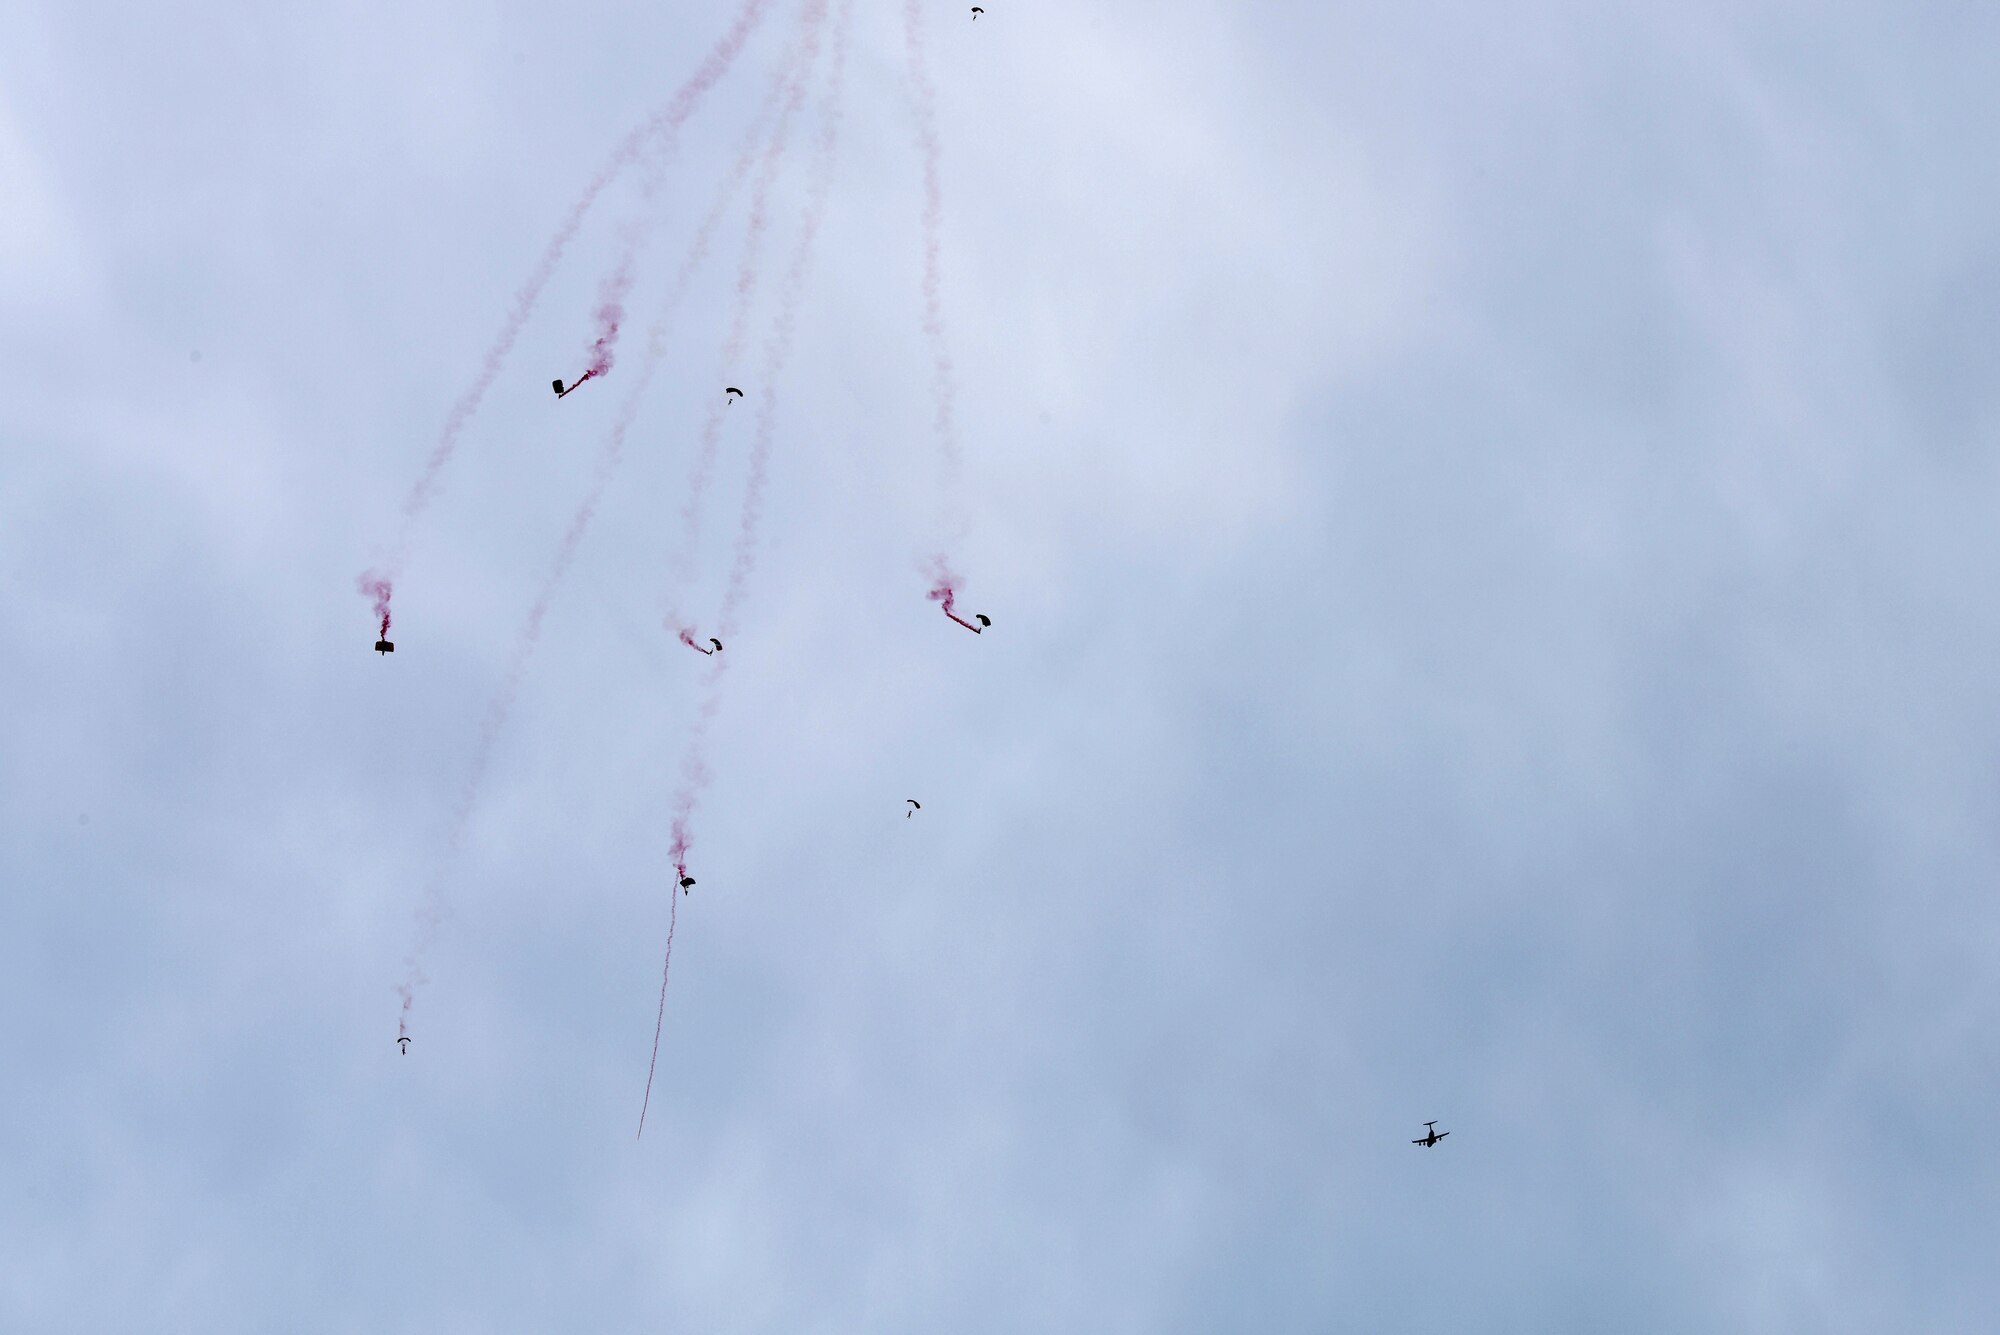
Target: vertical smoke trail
(662,125)
(682,561)
(660,1017)
(694,765)
(433,909)
(376,587)
(617,284)
(943,382)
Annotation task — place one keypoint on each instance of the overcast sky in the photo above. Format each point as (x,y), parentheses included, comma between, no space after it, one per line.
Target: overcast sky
(1486,513)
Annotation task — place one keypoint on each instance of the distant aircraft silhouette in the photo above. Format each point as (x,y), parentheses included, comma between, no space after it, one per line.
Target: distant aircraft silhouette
(1433,1138)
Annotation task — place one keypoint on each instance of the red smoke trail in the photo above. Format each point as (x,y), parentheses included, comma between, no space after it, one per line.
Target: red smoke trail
(660,1019)
(943,383)
(376,587)
(684,558)
(945,591)
(663,124)
(433,910)
(695,772)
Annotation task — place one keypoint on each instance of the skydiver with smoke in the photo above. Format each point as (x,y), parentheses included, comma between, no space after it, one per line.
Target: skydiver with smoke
(944,593)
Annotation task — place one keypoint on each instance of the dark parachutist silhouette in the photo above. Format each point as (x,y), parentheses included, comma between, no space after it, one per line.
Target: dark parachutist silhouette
(913,802)
(976,12)
(717,643)
(403,1045)
(686,881)
(384,647)
(733,390)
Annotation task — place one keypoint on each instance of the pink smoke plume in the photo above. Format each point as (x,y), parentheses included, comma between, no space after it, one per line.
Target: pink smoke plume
(793,78)
(945,591)
(378,588)
(943,382)
(660,1017)
(662,125)
(695,772)
(434,908)
(609,317)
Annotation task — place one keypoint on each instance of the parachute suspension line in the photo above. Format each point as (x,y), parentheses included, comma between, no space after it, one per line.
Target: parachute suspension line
(660,1018)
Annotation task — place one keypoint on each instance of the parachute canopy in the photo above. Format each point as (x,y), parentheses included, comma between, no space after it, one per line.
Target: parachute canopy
(733,390)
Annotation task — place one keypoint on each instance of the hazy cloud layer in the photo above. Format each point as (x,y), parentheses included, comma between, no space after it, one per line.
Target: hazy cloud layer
(1486,511)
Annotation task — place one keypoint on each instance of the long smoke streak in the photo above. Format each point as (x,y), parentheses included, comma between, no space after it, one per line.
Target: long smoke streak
(695,772)
(944,388)
(661,125)
(434,909)
(682,562)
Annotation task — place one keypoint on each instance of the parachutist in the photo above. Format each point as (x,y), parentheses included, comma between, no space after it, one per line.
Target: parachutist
(403,1045)
(686,881)
(717,643)
(980,618)
(733,390)
(384,647)
(976,12)
(564,393)
(913,802)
